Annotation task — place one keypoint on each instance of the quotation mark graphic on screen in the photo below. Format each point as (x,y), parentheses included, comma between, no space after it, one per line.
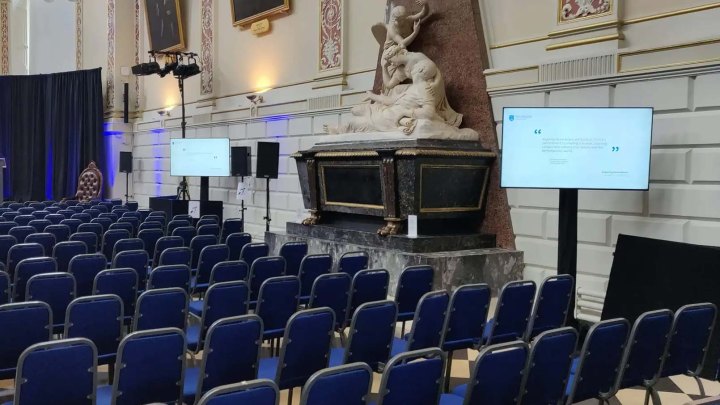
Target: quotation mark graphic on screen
(616,149)
(538,132)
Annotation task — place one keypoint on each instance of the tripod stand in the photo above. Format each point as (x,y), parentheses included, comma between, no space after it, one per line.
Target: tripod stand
(182,190)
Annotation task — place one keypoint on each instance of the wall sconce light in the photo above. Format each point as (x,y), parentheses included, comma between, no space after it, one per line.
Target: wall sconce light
(165,112)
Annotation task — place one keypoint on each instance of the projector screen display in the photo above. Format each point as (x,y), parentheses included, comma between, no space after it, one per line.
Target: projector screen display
(576,148)
(200,157)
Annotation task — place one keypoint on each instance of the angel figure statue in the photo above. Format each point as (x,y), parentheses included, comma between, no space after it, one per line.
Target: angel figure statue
(403,28)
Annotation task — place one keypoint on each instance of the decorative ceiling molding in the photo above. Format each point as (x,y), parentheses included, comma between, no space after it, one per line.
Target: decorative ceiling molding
(110,74)
(78,34)
(4,39)
(207,47)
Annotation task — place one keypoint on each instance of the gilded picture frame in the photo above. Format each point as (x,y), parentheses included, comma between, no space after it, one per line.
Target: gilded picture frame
(164,25)
(246,12)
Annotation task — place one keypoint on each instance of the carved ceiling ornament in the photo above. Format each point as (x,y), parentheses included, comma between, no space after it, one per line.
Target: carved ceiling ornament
(573,10)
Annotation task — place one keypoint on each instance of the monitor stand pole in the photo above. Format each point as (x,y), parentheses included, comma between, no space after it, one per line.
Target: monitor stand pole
(267,206)
(567,243)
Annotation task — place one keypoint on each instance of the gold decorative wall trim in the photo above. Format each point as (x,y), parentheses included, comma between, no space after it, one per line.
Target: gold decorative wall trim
(586,41)
(519,42)
(444,153)
(362,153)
(585,28)
(505,71)
(622,55)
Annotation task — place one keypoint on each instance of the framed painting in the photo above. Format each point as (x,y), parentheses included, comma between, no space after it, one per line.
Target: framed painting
(245,12)
(164,25)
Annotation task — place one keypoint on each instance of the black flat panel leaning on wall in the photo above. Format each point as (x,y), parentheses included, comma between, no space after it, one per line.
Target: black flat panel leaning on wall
(240,161)
(649,274)
(267,160)
(126,162)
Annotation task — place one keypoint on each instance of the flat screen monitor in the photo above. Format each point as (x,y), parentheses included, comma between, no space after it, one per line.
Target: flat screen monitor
(576,148)
(201,157)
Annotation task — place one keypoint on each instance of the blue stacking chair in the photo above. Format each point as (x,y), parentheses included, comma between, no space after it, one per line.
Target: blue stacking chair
(236,270)
(10,216)
(88,238)
(209,229)
(110,215)
(305,350)
(21,232)
(161,219)
(15,205)
(183,217)
(412,378)
(427,328)
(55,219)
(512,313)
(232,352)
(645,351)
(20,252)
(187,233)
(83,217)
(367,286)
(253,251)
(134,222)
(256,392)
(76,209)
(197,244)
(176,255)
(53,209)
(293,253)
(35,205)
(67,213)
(144,213)
(147,225)
(332,291)
(230,226)
(64,370)
(124,245)
(104,222)
(175,224)
(136,260)
(39,224)
(312,267)
(73,224)
(40,214)
(690,341)
(161,308)
(98,318)
(149,237)
(277,302)
(223,300)
(23,324)
(4,288)
(496,379)
(352,262)
(92,211)
(208,220)
(236,242)
(263,269)
(28,268)
(55,289)
(63,252)
(164,243)
(85,268)
(595,370)
(61,232)
(97,229)
(175,275)
(135,382)
(119,210)
(371,336)
(6,226)
(551,305)
(24,219)
(47,240)
(6,242)
(110,238)
(347,385)
(122,283)
(209,257)
(414,282)
(26,211)
(131,213)
(549,367)
(196,306)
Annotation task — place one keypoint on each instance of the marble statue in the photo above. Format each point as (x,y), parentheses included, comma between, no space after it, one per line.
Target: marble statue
(413,102)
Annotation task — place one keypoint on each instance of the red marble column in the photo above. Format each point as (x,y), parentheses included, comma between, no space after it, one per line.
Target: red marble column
(453,38)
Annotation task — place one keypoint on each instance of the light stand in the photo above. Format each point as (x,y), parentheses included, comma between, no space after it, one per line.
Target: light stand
(242,205)
(267,206)
(182,191)
(127,187)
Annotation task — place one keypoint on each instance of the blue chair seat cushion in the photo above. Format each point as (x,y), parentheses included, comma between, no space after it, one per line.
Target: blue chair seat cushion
(196,307)
(451,399)
(337,356)
(268,368)
(193,337)
(273,333)
(405,316)
(104,395)
(192,375)
(398,346)
(452,345)
(198,287)
(460,390)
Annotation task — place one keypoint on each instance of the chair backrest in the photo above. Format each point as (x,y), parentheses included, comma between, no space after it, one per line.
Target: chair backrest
(90,183)
(371,334)
(110,238)
(88,238)
(223,300)
(175,275)
(85,268)
(236,242)
(551,305)
(262,269)
(23,219)
(149,237)
(103,222)
(64,370)
(4,288)
(498,374)
(6,242)
(63,252)
(466,318)
(197,244)
(414,282)
(176,255)
(293,253)
(512,312)
(21,232)
(208,219)
(233,348)
(122,282)
(96,228)
(98,318)
(23,324)
(83,217)
(352,262)
(690,339)
(22,251)
(306,346)
(646,348)
(427,329)
(187,233)
(28,268)
(60,232)
(183,217)
(348,385)
(236,270)
(47,240)
(110,215)
(164,243)
(256,392)
(332,291)
(230,226)
(40,214)
(6,226)
(146,225)
(55,289)
(424,368)
(209,257)
(55,218)
(277,301)
(600,361)
(254,251)
(312,267)
(39,224)
(161,308)
(368,286)
(548,368)
(133,221)
(134,259)
(73,224)
(209,229)
(123,245)
(135,382)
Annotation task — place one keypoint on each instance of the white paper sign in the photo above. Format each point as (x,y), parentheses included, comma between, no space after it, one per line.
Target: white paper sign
(412,226)
(244,188)
(194,209)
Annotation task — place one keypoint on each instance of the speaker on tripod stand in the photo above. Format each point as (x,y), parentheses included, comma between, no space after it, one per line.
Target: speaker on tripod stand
(126,167)
(267,167)
(240,167)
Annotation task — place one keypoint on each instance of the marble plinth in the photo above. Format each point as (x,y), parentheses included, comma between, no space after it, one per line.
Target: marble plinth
(453,268)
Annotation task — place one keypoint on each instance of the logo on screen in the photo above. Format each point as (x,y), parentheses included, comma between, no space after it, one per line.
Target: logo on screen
(511,118)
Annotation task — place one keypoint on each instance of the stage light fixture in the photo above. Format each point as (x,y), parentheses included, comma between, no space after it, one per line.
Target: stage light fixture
(168,68)
(183,71)
(146,69)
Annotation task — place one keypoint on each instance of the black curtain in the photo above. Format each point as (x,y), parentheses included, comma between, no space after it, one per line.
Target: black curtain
(51,127)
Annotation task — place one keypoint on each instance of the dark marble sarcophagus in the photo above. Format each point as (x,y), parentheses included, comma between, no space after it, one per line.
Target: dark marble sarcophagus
(377,184)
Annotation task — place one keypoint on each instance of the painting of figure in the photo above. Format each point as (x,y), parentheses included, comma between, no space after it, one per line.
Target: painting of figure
(571,10)
(164,23)
(245,12)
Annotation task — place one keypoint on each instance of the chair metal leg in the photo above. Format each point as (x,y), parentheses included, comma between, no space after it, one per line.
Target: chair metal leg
(647,396)
(290,393)
(448,370)
(700,385)
(402,334)
(655,396)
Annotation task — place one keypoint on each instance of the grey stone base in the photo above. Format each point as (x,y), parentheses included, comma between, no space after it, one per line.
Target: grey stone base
(453,268)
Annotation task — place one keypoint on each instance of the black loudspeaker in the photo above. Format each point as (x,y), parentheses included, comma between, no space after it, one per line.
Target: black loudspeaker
(240,161)
(126,103)
(268,160)
(125,162)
